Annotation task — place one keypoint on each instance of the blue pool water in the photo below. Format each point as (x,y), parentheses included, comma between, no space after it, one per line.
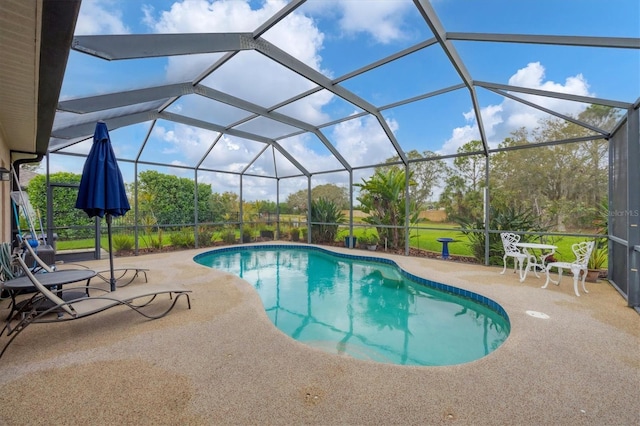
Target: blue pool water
(365,307)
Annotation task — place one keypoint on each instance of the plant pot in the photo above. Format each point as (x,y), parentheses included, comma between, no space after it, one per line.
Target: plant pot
(350,242)
(372,247)
(592,275)
(295,237)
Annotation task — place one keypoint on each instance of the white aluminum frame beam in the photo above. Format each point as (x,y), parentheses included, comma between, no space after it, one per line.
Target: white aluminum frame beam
(431,18)
(610,42)
(557,95)
(135,46)
(300,68)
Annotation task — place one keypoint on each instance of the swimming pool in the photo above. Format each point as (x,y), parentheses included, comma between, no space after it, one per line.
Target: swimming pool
(365,307)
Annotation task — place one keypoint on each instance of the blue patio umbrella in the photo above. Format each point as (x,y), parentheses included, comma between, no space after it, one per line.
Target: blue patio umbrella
(102,190)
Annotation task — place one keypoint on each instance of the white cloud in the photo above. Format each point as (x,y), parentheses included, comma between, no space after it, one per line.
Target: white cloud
(100,17)
(363,141)
(311,158)
(296,35)
(500,120)
(360,141)
(382,20)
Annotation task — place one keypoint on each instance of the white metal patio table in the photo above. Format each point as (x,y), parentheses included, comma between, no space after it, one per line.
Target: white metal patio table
(534,260)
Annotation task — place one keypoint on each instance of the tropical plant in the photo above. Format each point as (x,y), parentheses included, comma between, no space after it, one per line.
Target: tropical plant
(383,198)
(205,236)
(500,219)
(156,243)
(598,257)
(427,174)
(149,223)
(229,236)
(325,217)
(368,238)
(122,242)
(247,234)
(183,238)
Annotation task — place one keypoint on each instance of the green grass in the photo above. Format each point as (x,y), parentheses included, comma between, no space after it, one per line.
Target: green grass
(75,244)
(427,239)
(424,239)
(88,243)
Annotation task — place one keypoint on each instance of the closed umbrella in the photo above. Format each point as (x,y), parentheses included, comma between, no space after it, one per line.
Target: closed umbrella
(102,190)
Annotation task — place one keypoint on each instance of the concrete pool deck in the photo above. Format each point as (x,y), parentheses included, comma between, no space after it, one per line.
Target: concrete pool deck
(223,362)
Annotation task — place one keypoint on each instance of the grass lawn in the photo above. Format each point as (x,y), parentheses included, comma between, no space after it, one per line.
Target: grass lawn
(424,239)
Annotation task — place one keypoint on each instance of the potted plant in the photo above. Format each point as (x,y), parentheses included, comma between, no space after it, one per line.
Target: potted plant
(267,233)
(599,255)
(350,242)
(246,235)
(294,233)
(369,240)
(596,262)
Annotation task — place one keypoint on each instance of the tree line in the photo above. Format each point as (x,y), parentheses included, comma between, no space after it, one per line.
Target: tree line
(563,185)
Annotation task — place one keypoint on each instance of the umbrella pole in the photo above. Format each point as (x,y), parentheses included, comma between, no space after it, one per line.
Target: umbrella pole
(112,280)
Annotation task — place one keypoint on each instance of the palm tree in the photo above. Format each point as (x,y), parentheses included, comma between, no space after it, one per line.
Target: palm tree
(383,198)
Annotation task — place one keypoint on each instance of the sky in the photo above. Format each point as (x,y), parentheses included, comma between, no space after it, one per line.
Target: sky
(336,37)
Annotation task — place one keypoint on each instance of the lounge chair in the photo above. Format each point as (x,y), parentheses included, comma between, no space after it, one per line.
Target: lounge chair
(52,307)
(123,276)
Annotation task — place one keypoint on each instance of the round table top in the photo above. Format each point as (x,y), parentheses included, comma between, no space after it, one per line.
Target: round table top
(49,279)
(536,246)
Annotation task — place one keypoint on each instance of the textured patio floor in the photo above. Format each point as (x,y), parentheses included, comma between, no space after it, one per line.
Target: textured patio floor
(223,362)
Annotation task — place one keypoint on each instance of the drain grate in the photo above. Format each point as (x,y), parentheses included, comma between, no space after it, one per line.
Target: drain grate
(537,314)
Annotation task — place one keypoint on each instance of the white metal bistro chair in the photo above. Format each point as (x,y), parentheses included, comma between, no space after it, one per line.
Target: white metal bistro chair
(509,241)
(582,251)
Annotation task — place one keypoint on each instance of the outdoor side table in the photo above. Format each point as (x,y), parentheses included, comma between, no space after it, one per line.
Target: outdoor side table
(23,284)
(445,246)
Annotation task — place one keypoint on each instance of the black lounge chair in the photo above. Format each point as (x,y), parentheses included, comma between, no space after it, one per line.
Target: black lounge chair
(123,276)
(49,306)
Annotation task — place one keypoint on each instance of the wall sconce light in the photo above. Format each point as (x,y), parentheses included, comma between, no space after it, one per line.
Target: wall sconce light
(5,175)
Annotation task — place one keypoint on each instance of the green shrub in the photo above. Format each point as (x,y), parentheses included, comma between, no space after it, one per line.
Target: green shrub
(267,232)
(183,238)
(500,219)
(157,243)
(325,212)
(122,242)
(368,238)
(341,235)
(205,236)
(229,236)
